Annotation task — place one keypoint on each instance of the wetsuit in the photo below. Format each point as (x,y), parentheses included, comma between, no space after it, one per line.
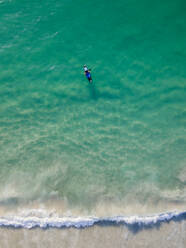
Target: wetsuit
(88,75)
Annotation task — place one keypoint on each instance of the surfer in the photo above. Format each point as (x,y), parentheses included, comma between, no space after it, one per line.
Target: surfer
(87,73)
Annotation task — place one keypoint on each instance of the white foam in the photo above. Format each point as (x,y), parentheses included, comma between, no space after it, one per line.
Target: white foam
(83,222)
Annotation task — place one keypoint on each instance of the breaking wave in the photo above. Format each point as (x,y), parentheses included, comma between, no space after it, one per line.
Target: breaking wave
(135,223)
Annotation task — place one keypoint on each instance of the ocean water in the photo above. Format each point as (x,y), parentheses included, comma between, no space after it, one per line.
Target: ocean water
(112,149)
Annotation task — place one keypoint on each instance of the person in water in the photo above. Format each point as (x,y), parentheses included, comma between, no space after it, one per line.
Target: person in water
(87,73)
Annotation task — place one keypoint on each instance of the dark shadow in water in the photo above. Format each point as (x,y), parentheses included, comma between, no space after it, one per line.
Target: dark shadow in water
(94,95)
(93,91)
(139,226)
(9,201)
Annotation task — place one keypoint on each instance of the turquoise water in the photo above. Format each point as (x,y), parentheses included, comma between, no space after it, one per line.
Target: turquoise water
(121,140)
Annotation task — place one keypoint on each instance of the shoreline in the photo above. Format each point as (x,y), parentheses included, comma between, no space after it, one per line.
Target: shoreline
(135,223)
(57,214)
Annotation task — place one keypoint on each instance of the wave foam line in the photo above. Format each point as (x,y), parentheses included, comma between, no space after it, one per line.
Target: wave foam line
(83,222)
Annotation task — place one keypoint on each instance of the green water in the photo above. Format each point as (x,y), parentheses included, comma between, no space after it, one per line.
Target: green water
(123,137)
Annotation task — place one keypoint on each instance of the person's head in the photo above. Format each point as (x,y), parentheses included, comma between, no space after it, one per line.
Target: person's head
(84,66)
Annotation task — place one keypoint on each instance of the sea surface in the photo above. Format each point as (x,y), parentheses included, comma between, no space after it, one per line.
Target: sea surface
(106,159)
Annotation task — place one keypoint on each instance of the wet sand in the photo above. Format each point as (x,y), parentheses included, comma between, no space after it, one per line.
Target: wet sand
(167,235)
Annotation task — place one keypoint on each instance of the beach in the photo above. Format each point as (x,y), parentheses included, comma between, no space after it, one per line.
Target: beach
(110,154)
